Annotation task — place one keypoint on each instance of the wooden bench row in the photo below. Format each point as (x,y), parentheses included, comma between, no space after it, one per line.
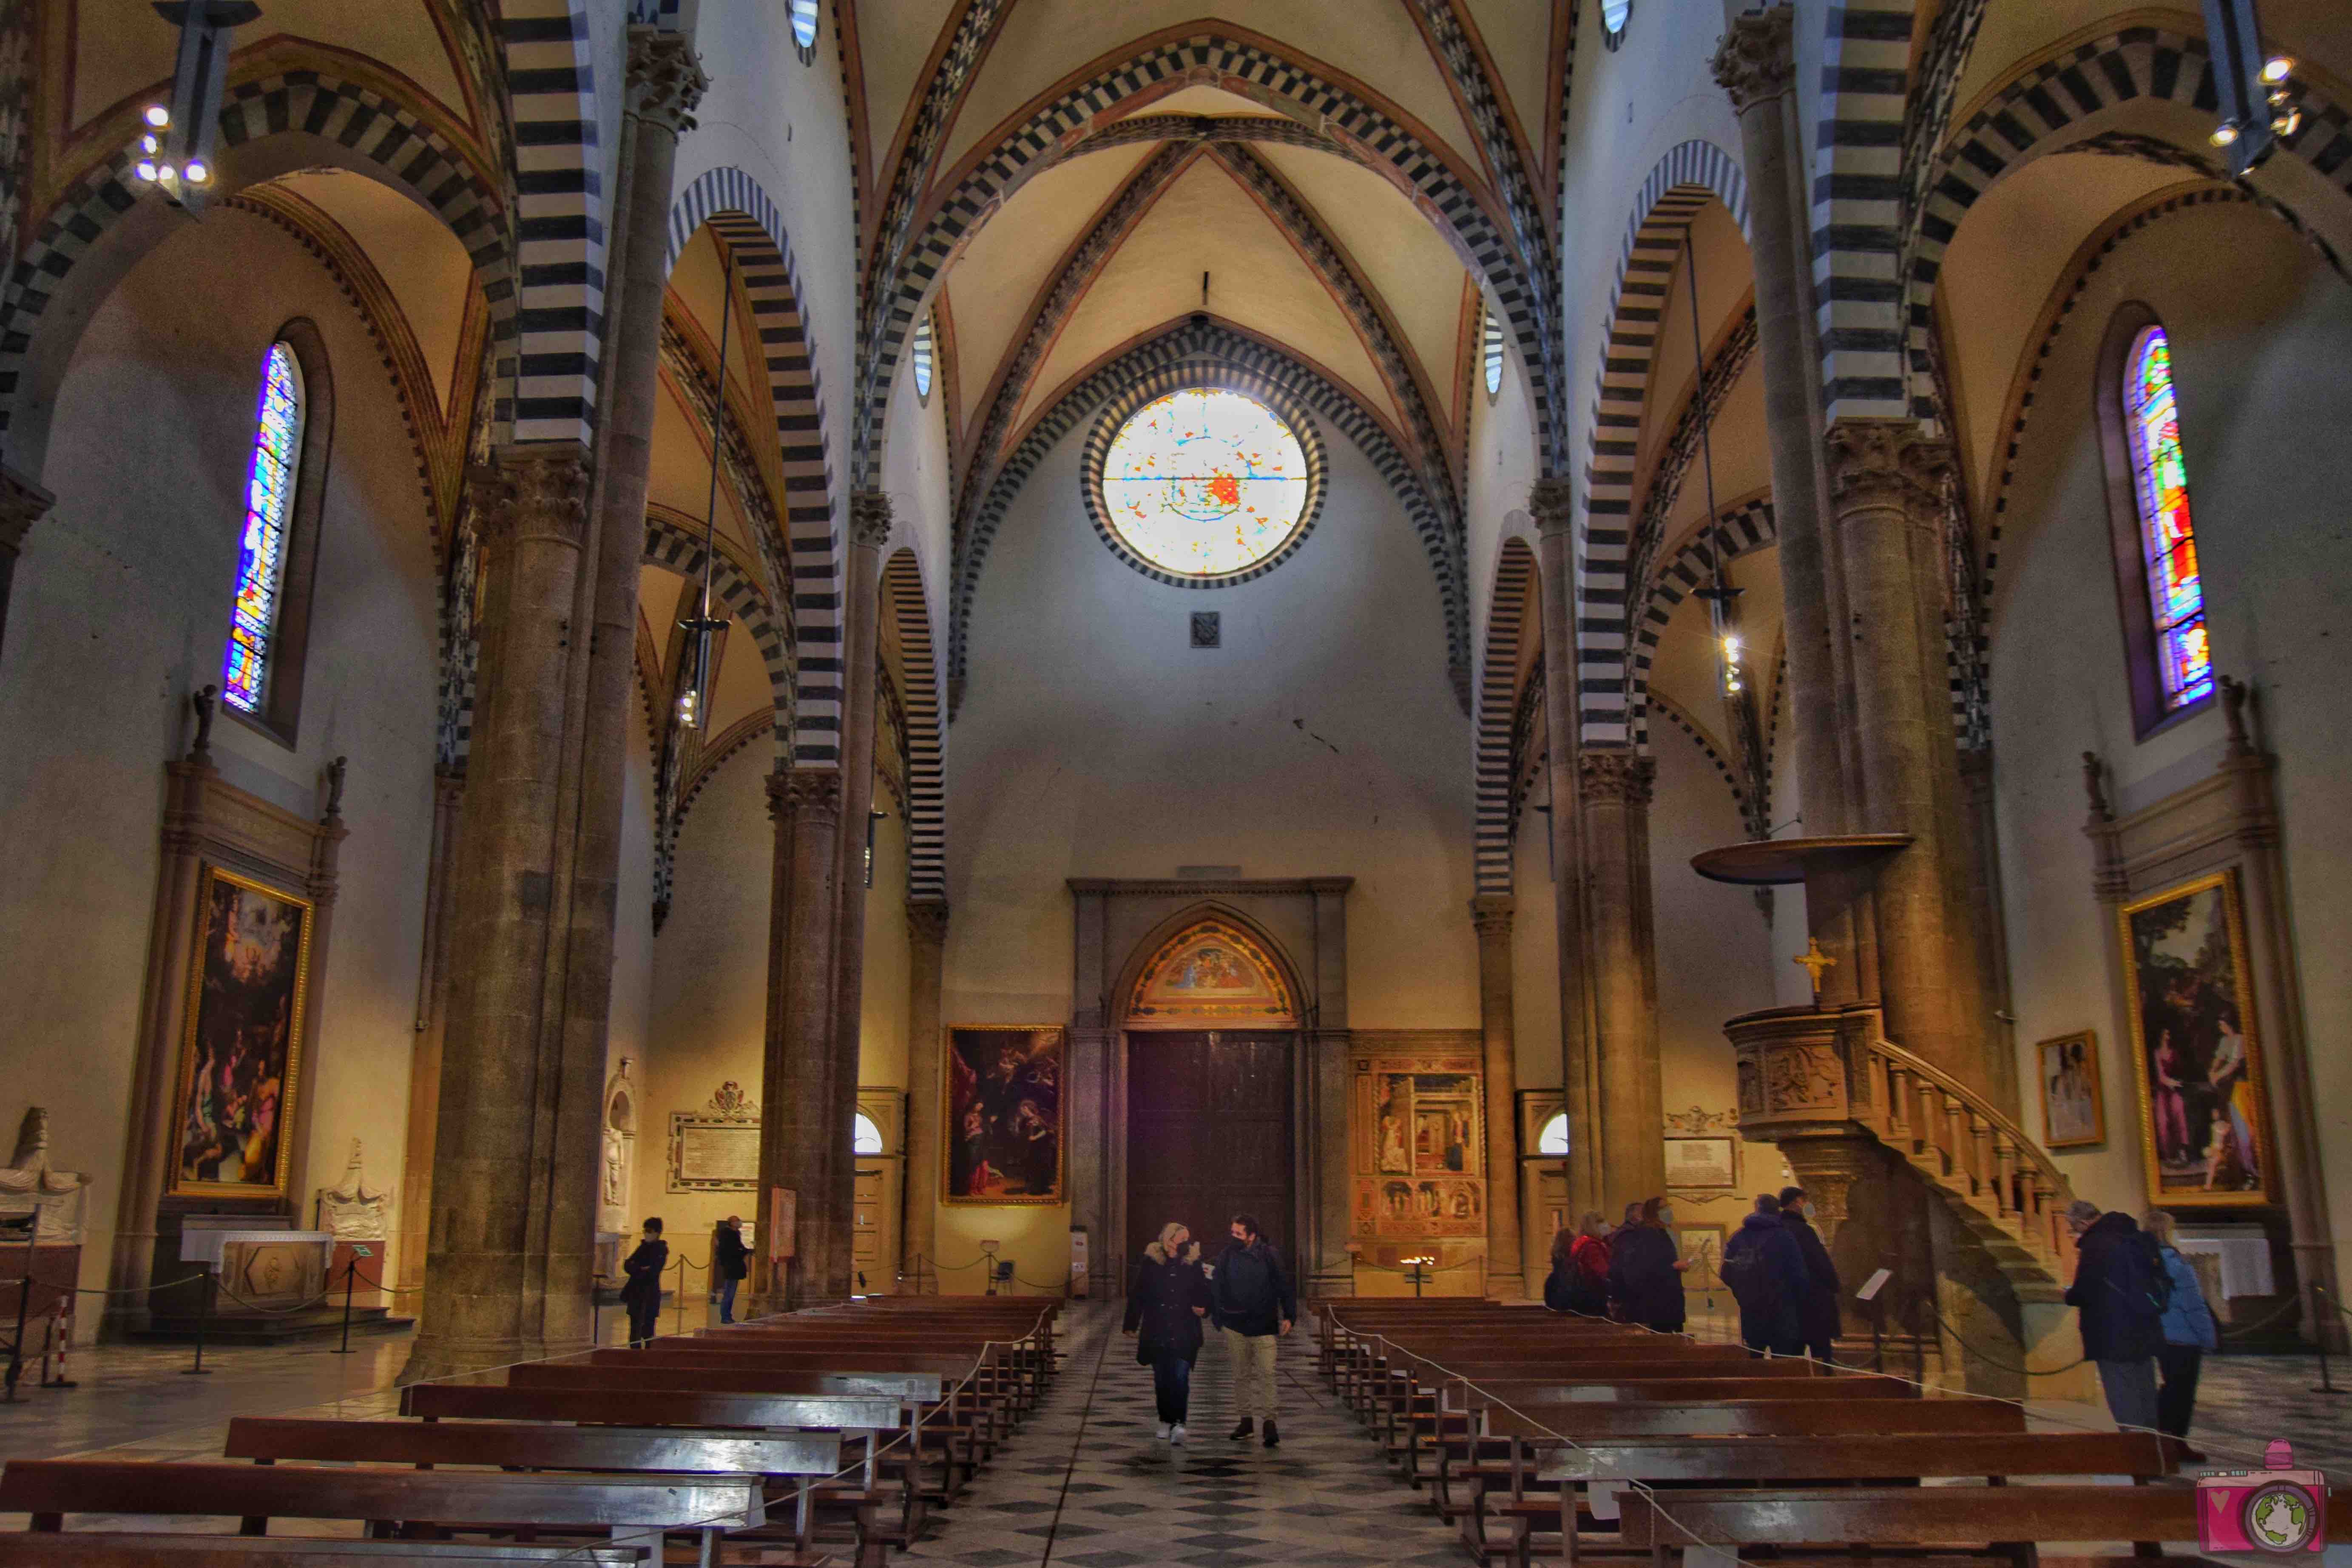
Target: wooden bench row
(786,1438)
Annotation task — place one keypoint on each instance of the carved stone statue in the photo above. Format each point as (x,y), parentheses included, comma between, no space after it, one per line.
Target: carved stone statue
(616,1171)
(202,702)
(2094,784)
(29,1182)
(354,1210)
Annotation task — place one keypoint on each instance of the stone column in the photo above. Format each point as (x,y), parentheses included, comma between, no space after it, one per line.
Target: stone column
(22,504)
(432,1023)
(798,1090)
(869,527)
(1756,70)
(1887,480)
(663,84)
(1624,944)
(1506,1271)
(1551,501)
(495,1148)
(926,933)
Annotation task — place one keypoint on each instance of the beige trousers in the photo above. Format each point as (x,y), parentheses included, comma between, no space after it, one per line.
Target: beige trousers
(1253,1373)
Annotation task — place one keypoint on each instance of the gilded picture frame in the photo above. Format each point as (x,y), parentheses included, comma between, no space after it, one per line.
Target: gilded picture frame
(238,1088)
(2204,1124)
(2074,1103)
(1004,1133)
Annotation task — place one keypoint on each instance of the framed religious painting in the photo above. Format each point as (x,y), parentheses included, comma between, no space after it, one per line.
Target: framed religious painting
(1000,1112)
(2196,1050)
(240,1056)
(2074,1110)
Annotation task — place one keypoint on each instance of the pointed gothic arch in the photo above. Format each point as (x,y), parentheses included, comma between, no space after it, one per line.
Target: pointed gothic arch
(926,833)
(1508,631)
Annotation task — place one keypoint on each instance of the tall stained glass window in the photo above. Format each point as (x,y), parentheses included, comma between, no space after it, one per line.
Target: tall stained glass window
(804,14)
(261,552)
(1491,349)
(2175,589)
(1204,482)
(924,355)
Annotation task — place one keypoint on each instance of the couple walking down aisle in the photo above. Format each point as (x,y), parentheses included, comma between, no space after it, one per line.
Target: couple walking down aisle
(1249,1299)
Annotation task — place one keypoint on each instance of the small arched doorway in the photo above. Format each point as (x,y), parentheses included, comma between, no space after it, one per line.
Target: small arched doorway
(1211,1028)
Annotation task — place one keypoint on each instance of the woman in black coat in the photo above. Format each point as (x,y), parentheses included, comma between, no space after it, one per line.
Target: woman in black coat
(1164,1311)
(642,1294)
(1646,1271)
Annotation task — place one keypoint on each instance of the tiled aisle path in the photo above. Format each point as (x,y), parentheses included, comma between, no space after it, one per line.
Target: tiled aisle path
(1086,1483)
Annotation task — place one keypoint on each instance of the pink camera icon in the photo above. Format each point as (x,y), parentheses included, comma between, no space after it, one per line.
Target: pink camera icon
(2277,1511)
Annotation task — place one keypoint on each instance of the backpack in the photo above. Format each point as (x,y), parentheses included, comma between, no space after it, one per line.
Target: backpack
(1746,1278)
(2159,1277)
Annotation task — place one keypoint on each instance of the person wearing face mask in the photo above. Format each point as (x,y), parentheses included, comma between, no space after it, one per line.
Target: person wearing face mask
(1164,1312)
(1646,1271)
(1818,1317)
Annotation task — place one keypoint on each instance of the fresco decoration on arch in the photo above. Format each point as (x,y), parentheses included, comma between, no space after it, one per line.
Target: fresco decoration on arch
(1002,1114)
(1419,1146)
(1212,972)
(240,1056)
(2196,1053)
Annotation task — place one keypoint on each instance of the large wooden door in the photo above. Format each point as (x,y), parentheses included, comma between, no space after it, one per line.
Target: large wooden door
(1208,1136)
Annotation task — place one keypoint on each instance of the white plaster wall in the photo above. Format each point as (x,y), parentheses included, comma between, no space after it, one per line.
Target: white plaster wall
(1322,738)
(918,475)
(2260,335)
(120,610)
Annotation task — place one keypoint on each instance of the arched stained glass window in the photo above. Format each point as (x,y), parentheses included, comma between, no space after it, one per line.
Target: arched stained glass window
(923,356)
(2167,538)
(1491,349)
(1614,14)
(261,552)
(1204,483)
(865,1138)
(1553,1139)
(804,14)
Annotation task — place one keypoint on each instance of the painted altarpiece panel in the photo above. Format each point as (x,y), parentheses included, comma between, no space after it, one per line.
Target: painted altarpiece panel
(1001,1114)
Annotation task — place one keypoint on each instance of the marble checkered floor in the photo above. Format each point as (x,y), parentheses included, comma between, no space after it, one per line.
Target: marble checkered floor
(1085,1482)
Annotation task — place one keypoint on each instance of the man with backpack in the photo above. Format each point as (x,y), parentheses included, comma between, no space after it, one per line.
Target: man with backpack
(1765,1270)
(2121,1289)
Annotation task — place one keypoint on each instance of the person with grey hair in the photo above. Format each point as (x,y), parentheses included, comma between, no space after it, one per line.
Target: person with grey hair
(2188,1332)
(2121,1290)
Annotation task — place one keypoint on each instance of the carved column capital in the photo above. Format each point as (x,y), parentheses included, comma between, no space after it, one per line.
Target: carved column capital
(1755,62)
(1490,916)
(869,519)
(666,81)
(1552,502)
(1620,778)
(927,921)
(796,792)
(22,504)
(1886,463)
(536,489)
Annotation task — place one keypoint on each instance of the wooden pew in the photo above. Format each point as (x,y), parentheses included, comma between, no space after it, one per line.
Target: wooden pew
(128,1549)
(419,1503)
(1881,1458)
(2004,1521)
(791,1458)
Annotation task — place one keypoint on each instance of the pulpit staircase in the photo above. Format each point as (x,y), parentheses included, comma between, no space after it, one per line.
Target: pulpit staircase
(2000,1183)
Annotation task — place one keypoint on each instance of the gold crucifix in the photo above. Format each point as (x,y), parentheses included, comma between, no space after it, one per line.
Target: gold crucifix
(1812,960)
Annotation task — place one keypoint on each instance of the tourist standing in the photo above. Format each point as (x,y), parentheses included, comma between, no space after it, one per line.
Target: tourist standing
(2188,1332)
(1645,1270)
(1766,1272)
(730,1263)
(1580,1268)
(2120,1290)
(1164,1311)
(1818,1317)
(1256,1307)
(642,1294)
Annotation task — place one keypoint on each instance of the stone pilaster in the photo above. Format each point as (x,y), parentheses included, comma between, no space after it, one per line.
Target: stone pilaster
(1551,501)
(432,1025)
(495,1154)
(926,936)
(800,1066)
(22,504)
(1756,70)
(1490,913)
(870,528)
(1887,481)
(1616,789)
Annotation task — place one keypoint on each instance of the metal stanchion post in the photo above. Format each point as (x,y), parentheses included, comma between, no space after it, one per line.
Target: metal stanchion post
(203,1315)
(2321,1328)
(351,1279)
(23,1306)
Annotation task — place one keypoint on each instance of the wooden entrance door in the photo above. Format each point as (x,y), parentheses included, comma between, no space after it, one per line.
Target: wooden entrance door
(1208,1136)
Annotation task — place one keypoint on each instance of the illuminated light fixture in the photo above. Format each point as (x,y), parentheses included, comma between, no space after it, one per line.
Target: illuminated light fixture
(692,703)
(2277,69)
(2224,134)
(2255,94)
(158,116)
(177,139)
(167,172)
(147,168)
(195,172)
(149,145)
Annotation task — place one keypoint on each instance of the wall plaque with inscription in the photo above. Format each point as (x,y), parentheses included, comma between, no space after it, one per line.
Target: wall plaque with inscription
(716,1150)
